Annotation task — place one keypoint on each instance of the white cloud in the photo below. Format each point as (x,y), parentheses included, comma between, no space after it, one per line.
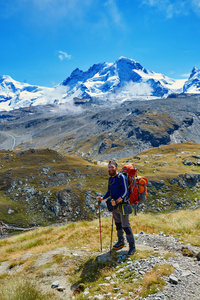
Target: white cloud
(196,6)
(101,13)
(114,12)
(187,75)
(174,7)
(196,3)
(51,10)
(63,55)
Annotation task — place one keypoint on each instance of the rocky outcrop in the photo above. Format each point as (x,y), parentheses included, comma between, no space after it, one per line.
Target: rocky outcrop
(3,229)
(187,180)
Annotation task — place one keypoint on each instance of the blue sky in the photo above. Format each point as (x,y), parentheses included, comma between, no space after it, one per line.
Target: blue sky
(43,41)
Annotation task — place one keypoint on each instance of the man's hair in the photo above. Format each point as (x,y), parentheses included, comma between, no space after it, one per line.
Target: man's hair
(112,162)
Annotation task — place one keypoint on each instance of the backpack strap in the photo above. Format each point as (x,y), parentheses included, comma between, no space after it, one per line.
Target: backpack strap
(120,183)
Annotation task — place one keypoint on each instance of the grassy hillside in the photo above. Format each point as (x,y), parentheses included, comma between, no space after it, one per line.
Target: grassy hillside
(43,254)
(167,162)
(36,184)
(41,187)
(173,173)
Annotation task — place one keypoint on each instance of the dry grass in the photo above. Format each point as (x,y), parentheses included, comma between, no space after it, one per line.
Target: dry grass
(21,288)
(166,161)
(184,224)
(153,281)
(88,270)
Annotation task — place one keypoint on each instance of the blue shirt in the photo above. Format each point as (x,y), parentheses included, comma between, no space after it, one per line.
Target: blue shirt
(117,187)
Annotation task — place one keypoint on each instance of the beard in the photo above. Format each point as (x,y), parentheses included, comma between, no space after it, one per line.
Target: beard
(112,173)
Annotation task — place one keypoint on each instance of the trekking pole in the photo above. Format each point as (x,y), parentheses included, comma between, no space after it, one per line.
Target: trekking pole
(111,230)
(100,225)
(135,209)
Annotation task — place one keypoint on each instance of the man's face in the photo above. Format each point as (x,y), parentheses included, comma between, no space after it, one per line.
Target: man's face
(112,170)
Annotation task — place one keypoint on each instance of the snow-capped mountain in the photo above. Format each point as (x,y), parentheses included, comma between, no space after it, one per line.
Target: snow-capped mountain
(115,82)
(121,80)
(192,85)
(14,94)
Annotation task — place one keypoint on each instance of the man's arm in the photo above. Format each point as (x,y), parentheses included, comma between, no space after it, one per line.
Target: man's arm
(107,194)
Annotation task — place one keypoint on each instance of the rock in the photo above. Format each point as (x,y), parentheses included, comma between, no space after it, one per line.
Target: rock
(187,252)
(158,184)
(173,181)
(198,256)
(107,278)
(176,266)
(55,284)
(60,288)
(186,273)
(173,279)
(86,293)
(99,297)
(102,163)
(10,211)
(3,229)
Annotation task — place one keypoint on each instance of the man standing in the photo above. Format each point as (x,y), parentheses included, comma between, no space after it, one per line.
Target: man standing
(118,191)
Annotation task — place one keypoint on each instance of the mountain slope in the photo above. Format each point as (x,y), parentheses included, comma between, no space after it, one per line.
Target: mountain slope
(117,132)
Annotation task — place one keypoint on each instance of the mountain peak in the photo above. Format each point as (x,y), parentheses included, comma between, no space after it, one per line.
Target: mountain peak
(192,85)
(5,77)
(103,83)
(195,71)
(124,58)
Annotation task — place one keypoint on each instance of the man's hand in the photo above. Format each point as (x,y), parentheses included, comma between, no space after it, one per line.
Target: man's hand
(99,198)
(113,202)
(119,200)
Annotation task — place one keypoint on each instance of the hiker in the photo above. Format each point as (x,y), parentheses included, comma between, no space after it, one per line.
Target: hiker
(118,193)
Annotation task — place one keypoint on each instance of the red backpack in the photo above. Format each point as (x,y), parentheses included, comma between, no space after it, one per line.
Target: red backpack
(137,184)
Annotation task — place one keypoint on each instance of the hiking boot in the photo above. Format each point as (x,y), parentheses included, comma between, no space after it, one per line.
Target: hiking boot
(131,250)
(120,244)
